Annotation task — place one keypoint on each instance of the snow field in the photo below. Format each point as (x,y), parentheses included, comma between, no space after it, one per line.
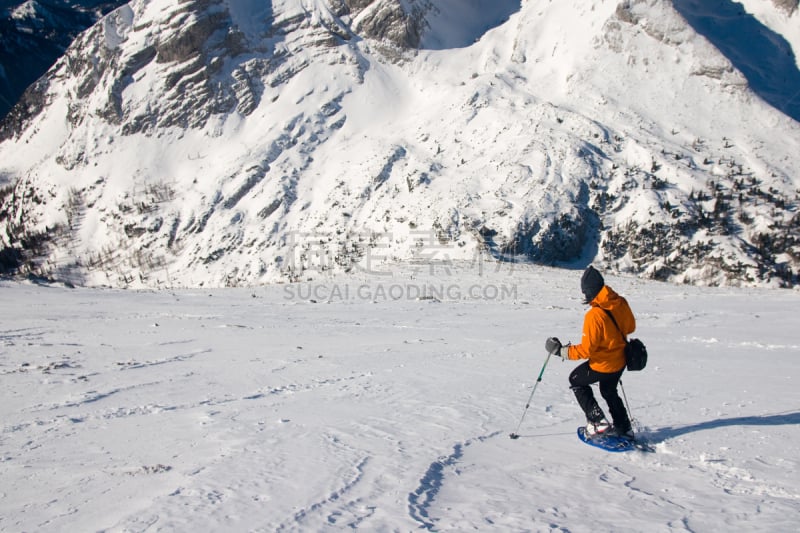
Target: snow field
(262,410)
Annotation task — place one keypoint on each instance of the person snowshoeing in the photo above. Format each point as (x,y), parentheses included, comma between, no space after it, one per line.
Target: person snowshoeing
(603,346)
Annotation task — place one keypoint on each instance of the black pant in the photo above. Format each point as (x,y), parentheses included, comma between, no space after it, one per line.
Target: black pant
(581,380)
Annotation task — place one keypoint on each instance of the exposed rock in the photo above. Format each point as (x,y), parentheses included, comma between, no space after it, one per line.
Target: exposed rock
(789,6)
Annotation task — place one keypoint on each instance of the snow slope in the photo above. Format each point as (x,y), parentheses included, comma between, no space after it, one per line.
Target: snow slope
(383,402)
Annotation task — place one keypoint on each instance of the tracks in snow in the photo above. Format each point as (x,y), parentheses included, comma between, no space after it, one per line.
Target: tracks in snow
(421,499)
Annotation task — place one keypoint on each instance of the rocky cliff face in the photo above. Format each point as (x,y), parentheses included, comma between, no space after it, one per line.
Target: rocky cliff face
(199,62)
(231,142)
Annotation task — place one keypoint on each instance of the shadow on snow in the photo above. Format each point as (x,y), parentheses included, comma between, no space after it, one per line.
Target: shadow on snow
(669,432)
(764,57)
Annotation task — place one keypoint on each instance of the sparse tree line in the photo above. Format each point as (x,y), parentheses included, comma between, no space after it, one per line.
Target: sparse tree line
(735,226)
(26,250)
(762,222)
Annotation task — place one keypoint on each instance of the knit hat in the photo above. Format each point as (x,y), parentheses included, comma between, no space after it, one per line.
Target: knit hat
(591,284)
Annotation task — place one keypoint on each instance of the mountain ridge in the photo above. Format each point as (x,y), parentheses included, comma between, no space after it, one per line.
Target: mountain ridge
(34,34)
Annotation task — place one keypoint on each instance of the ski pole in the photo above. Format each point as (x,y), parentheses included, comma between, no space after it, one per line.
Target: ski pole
(627,406)
(515,435)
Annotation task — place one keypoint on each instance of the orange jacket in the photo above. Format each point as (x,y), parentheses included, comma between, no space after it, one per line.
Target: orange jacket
(602,343)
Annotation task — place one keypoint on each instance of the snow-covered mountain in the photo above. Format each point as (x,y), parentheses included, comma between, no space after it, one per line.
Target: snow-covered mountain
(230,142)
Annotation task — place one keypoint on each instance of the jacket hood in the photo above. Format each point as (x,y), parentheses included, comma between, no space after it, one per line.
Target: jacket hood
(607,298)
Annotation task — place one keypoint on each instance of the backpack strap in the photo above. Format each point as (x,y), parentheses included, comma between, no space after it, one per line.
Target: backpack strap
(611,316)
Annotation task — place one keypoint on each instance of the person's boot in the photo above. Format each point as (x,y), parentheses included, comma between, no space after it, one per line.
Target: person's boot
(622,430)
(596,422)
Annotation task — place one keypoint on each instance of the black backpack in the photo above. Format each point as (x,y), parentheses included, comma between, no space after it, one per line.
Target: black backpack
(635,350)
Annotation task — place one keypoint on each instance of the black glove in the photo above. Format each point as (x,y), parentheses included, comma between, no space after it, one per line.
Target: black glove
(553,346)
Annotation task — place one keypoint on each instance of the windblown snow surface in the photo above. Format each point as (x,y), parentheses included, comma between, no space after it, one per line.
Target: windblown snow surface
(383,401)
